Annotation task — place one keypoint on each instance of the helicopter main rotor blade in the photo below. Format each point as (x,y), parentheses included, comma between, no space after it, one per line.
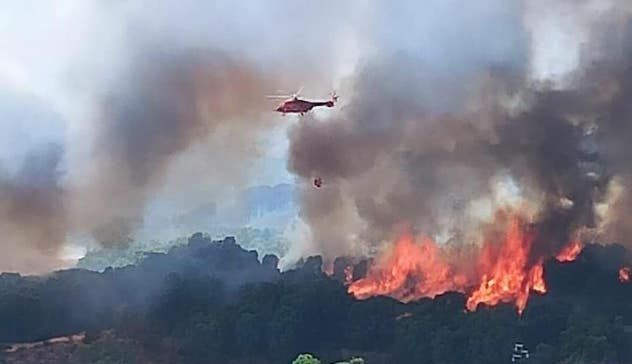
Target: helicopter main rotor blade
(298,92)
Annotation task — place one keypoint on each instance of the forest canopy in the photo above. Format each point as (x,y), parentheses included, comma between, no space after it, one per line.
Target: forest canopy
(212,301)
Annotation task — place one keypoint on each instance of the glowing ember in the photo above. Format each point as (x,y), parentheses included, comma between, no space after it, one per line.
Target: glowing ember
(412,270)
(506,276)
(570,252)
(624,274)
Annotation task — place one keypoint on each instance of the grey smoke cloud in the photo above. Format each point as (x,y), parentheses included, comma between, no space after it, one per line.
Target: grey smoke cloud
(158,99)
(166,104)
(32,212)
(440,104)
(418,146)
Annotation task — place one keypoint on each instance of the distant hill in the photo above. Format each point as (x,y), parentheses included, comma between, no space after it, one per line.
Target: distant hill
(272,207)
(264,241)
(261,200)
(258,220)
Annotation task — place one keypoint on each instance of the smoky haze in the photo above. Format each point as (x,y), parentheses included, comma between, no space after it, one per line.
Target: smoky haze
(442,119)
(32,218)
(162,106)
(165,104)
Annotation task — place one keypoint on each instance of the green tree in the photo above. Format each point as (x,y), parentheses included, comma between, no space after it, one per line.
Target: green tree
(588,340)
(544,353)
(201,339)
(107,351)
(306,359)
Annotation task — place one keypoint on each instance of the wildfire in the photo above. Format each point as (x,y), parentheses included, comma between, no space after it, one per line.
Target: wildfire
(412,270)
(624,274)
(505,273)
(570,252)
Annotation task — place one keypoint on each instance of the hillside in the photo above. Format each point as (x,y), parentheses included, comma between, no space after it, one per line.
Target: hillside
(214,302)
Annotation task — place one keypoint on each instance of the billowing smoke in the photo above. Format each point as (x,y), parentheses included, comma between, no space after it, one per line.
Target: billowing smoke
(439,152)
(165,104)
(441,123)
(160,105)
(32,216)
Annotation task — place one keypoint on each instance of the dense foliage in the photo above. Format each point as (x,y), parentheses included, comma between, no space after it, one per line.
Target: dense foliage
(217,303)
(265,241)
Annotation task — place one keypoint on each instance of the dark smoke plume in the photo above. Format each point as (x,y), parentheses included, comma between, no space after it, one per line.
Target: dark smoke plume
(393,158)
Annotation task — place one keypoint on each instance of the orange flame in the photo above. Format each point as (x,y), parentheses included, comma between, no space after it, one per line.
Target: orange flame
(624,275)
(412,270)
(506,275)
(570,252)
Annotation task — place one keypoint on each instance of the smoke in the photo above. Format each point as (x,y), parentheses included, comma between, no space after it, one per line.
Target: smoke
(32,216)
(438,152)
(162,107)
(442,122)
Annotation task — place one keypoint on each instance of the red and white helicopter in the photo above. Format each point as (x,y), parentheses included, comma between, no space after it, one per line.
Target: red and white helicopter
(294,104)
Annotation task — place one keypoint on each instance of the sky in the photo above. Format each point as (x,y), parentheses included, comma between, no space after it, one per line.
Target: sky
(63,60)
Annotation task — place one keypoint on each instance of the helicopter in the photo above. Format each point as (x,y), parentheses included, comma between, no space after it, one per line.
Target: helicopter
(294,104)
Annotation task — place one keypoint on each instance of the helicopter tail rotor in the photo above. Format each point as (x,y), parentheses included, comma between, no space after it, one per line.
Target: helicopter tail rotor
(334,96)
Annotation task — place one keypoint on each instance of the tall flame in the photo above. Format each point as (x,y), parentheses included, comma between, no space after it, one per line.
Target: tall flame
(505,272)
(412,270)
(570,252)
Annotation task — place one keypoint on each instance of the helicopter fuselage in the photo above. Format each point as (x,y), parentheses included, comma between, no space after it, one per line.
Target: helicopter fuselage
(301,106)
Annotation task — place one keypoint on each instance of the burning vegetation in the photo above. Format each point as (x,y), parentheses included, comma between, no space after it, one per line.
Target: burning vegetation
(503,271)
(503,268)
(446,161)
(570,252)
(410,271)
